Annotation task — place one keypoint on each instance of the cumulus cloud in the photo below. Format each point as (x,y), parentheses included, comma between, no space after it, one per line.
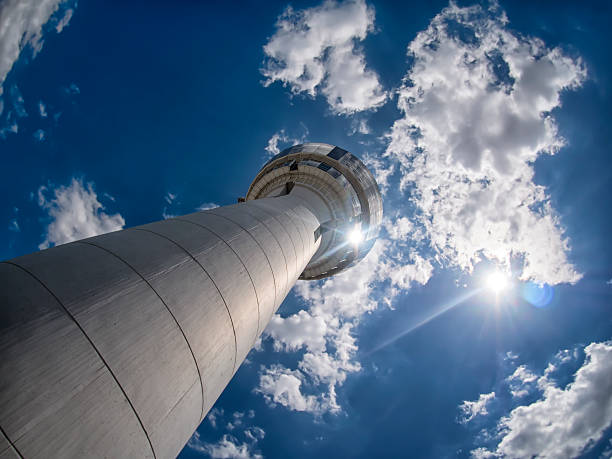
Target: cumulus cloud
(316,51)
(521,381)
(280,385)
(325,331)
(75,213)
(230,446)
(477,112)
(471,409)
(227,447)
(298,330)
(563,422)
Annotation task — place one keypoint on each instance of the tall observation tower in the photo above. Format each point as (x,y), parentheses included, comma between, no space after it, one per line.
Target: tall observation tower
(118,345)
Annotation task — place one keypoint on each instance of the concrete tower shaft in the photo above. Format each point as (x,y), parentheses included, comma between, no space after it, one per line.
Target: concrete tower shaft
(119,345)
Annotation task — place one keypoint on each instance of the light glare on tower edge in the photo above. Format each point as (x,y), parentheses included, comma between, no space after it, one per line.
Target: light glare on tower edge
(355,236)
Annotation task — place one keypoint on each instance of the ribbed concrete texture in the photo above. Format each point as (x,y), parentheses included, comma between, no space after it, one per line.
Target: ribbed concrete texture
(119,345)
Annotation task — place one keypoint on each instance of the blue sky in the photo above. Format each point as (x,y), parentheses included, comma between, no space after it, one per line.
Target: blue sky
(487,127)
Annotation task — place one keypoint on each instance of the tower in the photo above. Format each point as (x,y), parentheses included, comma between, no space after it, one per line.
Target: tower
(118,345)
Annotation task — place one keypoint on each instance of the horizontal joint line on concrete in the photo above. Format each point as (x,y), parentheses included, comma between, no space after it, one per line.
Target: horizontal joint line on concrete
(195,362)
(213,282)
(241,261)
(94,348)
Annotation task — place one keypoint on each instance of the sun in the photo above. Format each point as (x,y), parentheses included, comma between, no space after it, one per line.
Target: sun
(497,281)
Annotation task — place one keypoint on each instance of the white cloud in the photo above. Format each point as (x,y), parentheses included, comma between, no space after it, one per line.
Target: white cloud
(315,51)
(229,446)
(281,137)
(213,415)
(63,22)
(477,113)
(272,147)
(359,126)
(21,26)
(297,330)
(170,197)
(39,135)
(14,226)
(42,109)
(521,381)
(469,410)
(326,329)
(226,448)
(207,206)
(281,386)
(76,213)
(563,423)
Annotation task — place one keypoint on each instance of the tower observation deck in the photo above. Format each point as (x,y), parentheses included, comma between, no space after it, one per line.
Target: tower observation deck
(118,345)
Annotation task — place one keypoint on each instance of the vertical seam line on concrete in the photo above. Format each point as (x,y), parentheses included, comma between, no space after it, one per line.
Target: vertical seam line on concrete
(195,362)
(263,209)
(94,348)
(240,259)
(211,279)
(286,212)
(258,245)
(10,442)
(253,215)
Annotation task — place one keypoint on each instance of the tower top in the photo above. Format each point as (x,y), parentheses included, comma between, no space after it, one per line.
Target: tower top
(339,190)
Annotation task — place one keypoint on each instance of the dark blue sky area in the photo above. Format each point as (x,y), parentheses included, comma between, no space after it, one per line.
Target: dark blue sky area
(168,99)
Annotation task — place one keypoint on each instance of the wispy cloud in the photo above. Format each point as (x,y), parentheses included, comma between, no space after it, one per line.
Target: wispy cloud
(316,51)
(14,226)
(469,410)
(281,140)
(207,206)
(21,25)
(75,213)
(229,446)
(562,422)
(42,109)
(39,135)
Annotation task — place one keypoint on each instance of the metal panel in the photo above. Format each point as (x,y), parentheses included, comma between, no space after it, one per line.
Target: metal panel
(129,326)
(58,398)
(225,270)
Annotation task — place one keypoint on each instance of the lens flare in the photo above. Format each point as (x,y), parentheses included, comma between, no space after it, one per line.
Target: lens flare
(539,295)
